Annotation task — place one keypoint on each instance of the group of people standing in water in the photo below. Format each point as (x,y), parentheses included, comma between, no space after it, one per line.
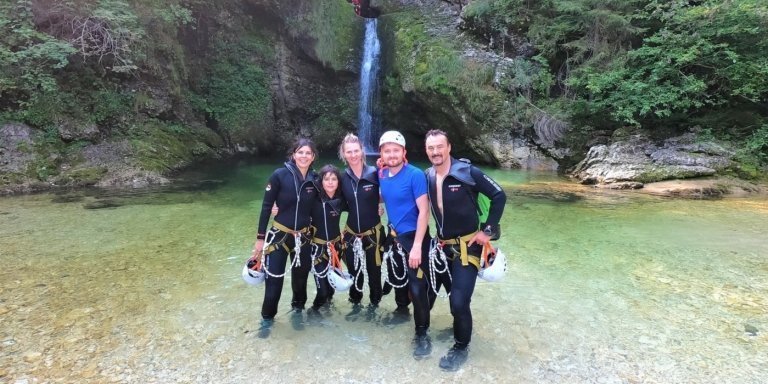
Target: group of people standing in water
(307,231)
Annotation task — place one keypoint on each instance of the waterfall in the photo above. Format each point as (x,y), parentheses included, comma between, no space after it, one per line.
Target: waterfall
(369,70)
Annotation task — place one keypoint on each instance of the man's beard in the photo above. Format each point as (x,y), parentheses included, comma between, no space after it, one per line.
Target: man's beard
(397,164)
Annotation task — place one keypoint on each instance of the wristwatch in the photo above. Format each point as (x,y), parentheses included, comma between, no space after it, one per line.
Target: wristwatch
(491,231)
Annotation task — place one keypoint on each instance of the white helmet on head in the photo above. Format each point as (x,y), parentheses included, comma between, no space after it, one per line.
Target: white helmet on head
(339,280)
(252,274)
(497,268)
(392,137)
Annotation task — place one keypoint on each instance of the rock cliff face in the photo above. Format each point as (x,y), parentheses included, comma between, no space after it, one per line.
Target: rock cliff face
(434,75)
(308,53)
(437,76)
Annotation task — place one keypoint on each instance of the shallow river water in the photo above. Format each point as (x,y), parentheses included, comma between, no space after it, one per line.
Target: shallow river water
(602,287)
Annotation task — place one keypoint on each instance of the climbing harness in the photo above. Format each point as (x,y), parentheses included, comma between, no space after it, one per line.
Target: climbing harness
(270,245)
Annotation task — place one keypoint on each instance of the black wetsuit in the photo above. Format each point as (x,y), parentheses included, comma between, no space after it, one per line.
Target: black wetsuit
(457,222)
(418,285)
(326,216)
(362,197)
(294,197)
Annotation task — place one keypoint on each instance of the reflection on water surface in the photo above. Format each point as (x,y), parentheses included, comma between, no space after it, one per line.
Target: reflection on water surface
(143,286)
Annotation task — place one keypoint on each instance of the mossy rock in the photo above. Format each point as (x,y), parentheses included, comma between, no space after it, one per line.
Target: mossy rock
(81,176)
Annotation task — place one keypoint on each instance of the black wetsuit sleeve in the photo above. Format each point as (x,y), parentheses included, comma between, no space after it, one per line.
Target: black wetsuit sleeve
(490,188)
(270,196)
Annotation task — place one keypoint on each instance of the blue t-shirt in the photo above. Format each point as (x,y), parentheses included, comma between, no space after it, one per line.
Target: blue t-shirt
(400,193)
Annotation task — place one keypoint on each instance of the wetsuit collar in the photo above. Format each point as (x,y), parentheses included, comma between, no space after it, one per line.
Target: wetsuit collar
(459,170)
(297,173)
(369,174)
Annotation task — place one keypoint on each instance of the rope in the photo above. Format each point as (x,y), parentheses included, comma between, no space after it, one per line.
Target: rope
(268,239)
(359,264)
(317,252)
(296,262)
(437,256)
(389,260)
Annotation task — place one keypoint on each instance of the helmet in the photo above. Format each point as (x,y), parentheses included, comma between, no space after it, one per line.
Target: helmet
(251,275)
(392,137)
(339,280)
(497,268)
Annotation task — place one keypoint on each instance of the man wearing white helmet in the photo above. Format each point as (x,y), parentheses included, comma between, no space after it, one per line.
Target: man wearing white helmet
(404,191)
(453,191)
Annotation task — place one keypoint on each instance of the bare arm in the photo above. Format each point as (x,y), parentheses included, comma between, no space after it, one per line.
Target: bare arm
(414,258)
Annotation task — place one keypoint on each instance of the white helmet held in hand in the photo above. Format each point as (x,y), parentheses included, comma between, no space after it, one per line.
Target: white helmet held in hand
(497,268)
(339,280)
(252,274)
(392,137)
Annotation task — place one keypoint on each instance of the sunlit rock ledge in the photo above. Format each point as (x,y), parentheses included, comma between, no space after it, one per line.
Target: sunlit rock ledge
(683,166)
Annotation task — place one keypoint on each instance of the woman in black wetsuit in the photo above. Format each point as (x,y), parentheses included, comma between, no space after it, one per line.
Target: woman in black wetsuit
(291,188)
(326,239)
(363,233)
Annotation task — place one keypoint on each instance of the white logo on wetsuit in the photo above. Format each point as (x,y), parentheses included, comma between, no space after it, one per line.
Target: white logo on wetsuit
(498,188)
(454,187)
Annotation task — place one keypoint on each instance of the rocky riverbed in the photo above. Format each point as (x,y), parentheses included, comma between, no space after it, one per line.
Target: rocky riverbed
(603,286)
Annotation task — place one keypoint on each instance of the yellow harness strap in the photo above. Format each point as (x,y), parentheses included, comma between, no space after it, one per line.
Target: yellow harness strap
(319,241)
(466,258)
(375,231)
(324,256)
(283,228)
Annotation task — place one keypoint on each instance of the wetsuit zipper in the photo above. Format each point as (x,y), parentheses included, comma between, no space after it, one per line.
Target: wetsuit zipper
(298,197)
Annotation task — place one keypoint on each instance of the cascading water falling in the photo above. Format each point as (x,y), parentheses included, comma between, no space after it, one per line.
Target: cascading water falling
(369,72)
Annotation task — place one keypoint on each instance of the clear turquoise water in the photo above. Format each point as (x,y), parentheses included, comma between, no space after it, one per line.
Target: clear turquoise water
(608,287)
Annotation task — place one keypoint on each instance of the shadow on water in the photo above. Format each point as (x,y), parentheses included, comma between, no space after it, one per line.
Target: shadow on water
(180,192)
(185,187)
(550,196)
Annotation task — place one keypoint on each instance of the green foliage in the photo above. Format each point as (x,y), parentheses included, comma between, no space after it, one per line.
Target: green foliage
(176,14)
(236,92)
(756,144)
(565,31)
(662,65)
(113,32)
(38,83)
(28,57)
(433,65)
(109,106)
(332,114)
(161,147)
(704,56)
(335,29)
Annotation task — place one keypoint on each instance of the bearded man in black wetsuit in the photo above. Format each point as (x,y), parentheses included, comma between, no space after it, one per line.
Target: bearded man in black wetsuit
(453,186)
